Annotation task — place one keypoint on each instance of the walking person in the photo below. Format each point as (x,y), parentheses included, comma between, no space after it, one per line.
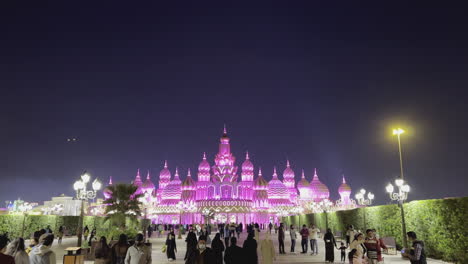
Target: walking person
(270,226)
(313,236)
(86,233)
(191,241)
(119,250)
(139,253)
(250,250)
(34,241)
(226,236)
(102,253)
(42,253)
(350,233)
(343,252)
(234,254)
(149,231)
(16,249)
(60,235)
(374,247)
(281,238)
(257,232)
(267,250)
(330,245)
(417,254)
(293,235)
(357,249)
(202,254)
(218,248)
(171,247)
(5,259)
(304,238)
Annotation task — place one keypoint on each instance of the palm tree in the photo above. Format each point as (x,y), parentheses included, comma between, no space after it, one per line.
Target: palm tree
(123,204)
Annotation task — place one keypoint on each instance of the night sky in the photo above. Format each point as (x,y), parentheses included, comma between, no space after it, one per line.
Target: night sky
(321,84)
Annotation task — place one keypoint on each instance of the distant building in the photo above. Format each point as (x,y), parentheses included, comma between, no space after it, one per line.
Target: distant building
(62,205)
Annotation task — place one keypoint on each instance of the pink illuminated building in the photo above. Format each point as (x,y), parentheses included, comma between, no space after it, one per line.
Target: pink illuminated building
(228,194)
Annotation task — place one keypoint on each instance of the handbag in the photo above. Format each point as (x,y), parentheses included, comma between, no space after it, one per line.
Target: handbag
(164,248)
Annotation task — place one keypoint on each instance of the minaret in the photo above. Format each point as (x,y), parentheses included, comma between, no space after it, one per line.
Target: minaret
(345,192)
(247,169)
(164,177)
(290,182)
(204,170)
(224,169)
(137,180)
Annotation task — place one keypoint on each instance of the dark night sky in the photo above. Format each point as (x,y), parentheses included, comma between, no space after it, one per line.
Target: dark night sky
(321,84)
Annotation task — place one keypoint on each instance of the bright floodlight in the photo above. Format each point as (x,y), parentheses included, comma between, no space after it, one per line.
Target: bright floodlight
(78,185)
(96,185)
(398,131)
(85,177)
(363,191)
(370,196)
(389,188)
(399,182)
(358,196)
(405,188)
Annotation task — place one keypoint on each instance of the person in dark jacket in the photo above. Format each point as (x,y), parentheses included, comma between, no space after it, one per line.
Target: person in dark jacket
(218,247)
(417,254)
(234,254)
(171,247)
(202,254)
(330,245)
(119,250)
(191,241)
(250,250)
(102,253)
(281,239)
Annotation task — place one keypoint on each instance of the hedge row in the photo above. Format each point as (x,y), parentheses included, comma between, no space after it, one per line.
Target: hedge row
(439,223)
(13,224)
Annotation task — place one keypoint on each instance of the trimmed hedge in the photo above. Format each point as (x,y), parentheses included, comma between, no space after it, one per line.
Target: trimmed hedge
(13,224)
(439,223)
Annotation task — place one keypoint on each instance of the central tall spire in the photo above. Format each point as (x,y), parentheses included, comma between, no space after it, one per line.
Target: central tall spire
(224,169)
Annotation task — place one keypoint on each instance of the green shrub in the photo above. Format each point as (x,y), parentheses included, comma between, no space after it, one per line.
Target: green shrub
(439,223)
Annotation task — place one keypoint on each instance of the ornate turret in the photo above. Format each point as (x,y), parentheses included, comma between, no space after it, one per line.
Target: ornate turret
(204,170)
(106,192)
(224,169)
(303,187)
(276,188)
(164,176)
(137,182)
(188,188)
(289,181)
(345,192)
(148,186)
(247,169)
(173,190)
(319,190)
(260,194)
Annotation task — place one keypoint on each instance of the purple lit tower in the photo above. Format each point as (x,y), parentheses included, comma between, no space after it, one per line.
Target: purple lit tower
(319,191)
(220,191)
(345,192)
(106,192)
(290,182)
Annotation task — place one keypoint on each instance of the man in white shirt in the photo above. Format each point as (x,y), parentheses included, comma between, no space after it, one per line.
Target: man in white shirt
(313,233)
(139,253)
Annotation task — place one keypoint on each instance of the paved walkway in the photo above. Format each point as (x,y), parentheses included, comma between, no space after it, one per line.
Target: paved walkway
(159,257)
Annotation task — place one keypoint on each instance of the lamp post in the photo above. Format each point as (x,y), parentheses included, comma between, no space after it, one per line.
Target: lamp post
(400,197)
(361,199)
(83,194)
(403,188)
(24,208)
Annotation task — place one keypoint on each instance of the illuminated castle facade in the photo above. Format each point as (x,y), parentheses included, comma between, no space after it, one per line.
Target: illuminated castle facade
(223,193)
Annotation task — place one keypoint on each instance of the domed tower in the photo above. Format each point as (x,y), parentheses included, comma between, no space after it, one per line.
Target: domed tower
(172,192)
(189,189)
(345,192)
(224,169)
(164,176)
(289,181)
(204,177)
(148,186)
(318,190)
(260,195)
(137,182)
(304,188)
(245,187)
(107,192)
(278,194)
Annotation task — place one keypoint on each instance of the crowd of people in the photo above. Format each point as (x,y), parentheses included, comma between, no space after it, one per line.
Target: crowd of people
(359,248)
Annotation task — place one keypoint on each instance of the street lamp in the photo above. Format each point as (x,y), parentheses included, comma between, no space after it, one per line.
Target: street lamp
(361,197)
(83,194)
(403,189)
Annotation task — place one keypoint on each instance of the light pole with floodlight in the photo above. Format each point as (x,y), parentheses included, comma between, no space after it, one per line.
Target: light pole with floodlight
(403,188)
(361,199)
(84,195)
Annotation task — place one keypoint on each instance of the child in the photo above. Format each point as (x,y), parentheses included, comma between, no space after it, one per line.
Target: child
(343,252)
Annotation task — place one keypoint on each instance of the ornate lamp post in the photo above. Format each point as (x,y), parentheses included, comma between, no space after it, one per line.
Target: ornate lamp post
(24,208)
(400,196)
(361,197)
(83,194)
